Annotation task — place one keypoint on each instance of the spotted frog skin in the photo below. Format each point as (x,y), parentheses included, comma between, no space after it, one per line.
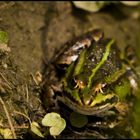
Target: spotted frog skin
(90,76)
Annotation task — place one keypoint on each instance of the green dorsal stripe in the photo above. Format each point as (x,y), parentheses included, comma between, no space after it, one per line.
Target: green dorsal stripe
(104,58)
(79,65)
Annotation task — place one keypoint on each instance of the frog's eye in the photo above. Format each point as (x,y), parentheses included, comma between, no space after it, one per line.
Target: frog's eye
(98,35)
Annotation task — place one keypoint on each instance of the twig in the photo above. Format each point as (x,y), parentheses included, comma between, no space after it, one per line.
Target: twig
(23,115)
(34,79)
(8,117)
(9,85)
(27,93)
(17,127)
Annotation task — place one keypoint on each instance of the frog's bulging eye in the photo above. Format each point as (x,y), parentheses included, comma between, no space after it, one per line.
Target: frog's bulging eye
(97,35)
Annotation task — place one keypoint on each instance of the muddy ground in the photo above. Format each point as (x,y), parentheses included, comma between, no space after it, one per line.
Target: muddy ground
(37,30)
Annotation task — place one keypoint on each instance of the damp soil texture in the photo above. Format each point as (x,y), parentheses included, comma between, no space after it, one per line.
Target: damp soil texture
(36,31)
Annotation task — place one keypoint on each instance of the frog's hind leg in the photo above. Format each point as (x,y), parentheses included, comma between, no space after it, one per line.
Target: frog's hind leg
(49,95)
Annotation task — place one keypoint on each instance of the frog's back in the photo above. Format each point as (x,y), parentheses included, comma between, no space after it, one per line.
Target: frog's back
(93,57)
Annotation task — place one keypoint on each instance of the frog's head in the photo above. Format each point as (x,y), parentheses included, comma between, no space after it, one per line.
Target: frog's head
(88,96)
(89,101)
(86,93)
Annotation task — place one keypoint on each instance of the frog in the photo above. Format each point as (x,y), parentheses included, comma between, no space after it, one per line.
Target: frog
(91,76)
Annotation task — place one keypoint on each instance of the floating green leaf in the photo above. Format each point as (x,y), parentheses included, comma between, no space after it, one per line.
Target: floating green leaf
(78,120)
(35,129)
(55,122)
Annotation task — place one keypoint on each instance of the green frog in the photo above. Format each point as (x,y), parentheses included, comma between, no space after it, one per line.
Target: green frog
(91,76)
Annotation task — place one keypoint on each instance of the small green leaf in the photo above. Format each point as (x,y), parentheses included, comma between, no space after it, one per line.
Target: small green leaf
(35,129)
(51,119)
(3,37)
(78,120)
(6,133)
(57,129)
(55,122)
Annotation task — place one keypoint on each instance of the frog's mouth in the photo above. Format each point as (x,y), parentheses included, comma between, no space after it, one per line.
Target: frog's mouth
(97,107)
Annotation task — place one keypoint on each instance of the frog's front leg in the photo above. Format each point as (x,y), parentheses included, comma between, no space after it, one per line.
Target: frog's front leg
(49,96)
